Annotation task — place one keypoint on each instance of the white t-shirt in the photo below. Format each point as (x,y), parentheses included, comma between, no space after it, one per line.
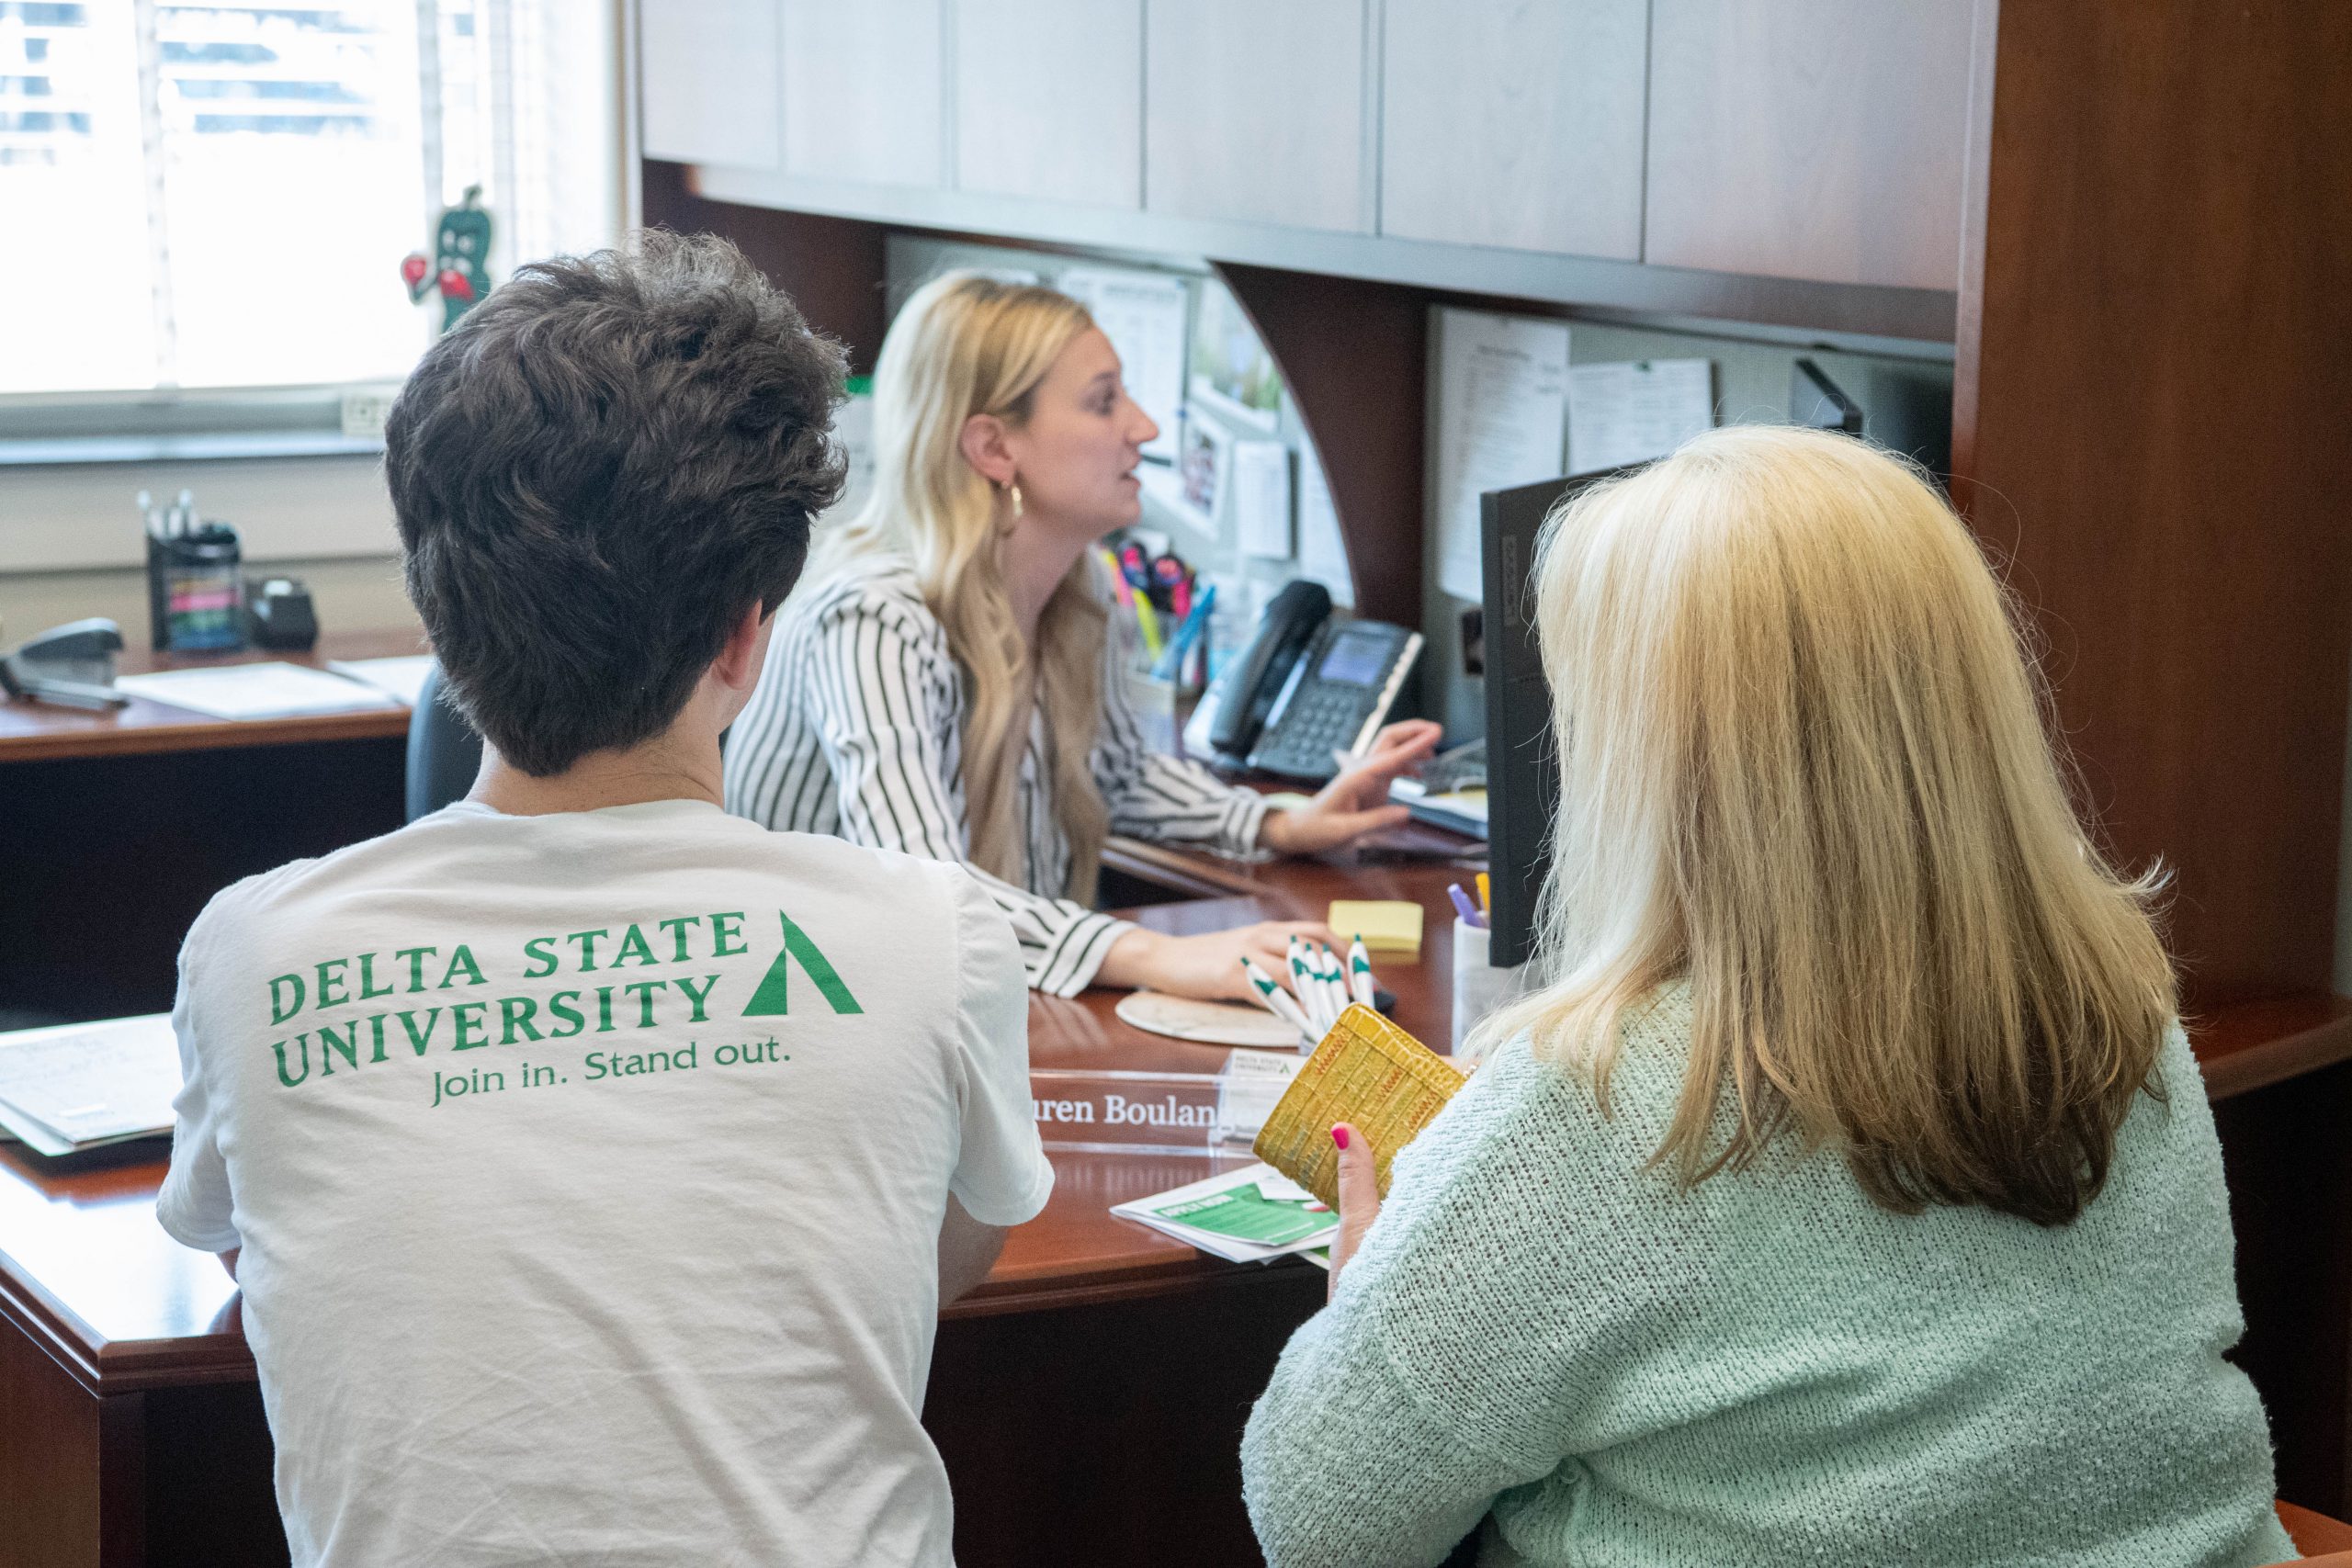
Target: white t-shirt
(589,1171)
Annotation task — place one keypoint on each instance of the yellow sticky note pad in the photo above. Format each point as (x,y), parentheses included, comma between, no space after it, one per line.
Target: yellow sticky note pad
(1386,925)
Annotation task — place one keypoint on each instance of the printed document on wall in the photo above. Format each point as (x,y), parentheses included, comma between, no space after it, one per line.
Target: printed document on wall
(1633,412)
(1322,553)
(1261,499)
(1142,315)
(1502,406)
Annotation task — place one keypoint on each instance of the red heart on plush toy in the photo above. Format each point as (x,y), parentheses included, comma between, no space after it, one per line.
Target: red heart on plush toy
(453,284)
(414,269)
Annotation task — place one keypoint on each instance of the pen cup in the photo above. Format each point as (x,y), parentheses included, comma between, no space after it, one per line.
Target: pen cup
(1478,987)
(1160,706)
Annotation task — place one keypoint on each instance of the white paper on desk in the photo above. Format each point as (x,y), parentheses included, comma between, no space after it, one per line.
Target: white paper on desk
(1270,1182)
(255,690)
(1502,406)
(1634,410)
(1261,499)
(1142,315)
(1322,551)
(84,1084)
(403,677)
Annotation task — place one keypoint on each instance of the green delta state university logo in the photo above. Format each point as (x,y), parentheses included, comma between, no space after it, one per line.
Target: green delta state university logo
(596,982)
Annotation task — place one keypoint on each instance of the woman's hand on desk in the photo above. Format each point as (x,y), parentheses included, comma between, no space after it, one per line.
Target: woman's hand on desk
(1209,965)
(1356,802)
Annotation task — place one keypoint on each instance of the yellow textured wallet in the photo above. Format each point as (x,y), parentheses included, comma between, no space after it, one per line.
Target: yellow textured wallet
(1369,1074)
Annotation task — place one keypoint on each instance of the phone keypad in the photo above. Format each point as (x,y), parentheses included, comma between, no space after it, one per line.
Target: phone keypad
(1321,717)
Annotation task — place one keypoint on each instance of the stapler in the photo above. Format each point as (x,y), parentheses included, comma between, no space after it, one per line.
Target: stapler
(69,666)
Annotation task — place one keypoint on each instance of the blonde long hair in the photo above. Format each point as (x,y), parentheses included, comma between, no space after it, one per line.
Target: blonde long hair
(1803,764)
(967,344)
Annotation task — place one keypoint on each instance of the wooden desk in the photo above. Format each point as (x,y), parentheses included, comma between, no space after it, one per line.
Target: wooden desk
(1088,1398)
(1094,1387)
(116,828)
(36,732)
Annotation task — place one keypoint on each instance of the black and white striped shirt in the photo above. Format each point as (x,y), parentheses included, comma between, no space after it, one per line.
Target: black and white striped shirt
(856,729)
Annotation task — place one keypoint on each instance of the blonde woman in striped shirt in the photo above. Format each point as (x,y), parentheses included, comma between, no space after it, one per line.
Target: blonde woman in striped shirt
(941,683)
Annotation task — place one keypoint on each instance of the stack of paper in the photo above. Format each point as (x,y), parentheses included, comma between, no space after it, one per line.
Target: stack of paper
(256,691)
(1462,810)
(81,1085)
(1245,1216)
(401,676)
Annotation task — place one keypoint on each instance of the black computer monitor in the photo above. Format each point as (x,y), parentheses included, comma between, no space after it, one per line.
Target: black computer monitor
(1522,767)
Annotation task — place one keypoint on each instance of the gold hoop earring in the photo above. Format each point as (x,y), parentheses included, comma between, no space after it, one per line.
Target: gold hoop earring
(1014,490)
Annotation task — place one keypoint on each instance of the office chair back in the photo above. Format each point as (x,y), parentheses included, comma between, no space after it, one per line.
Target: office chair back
(444,752)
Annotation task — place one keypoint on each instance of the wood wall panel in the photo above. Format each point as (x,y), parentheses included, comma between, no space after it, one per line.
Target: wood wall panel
(1354,358)
(2153,414)
(830,266)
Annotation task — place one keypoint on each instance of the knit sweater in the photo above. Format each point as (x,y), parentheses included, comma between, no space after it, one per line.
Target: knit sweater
(1543,1329)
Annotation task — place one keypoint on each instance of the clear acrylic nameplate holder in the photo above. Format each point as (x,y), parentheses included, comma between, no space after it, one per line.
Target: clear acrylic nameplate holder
(1104,1111)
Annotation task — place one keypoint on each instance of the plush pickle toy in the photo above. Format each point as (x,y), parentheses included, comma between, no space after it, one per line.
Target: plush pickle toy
(459,267)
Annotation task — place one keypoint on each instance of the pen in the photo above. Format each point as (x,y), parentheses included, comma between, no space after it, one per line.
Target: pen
(1195,620)
(1119,589)
(1335,983)
(1276,999)
(1147,618)
(1485,896)
(1360,971)
(1304,982)
(1469,911)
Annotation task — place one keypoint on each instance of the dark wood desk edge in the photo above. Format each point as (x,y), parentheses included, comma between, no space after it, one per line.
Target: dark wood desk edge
(1200,1271)
(57,1332)
(2251,1045)
(1195,875)
(203,734)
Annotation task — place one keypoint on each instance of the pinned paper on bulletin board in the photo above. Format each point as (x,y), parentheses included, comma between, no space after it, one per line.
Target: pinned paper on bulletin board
(1503,408)
(1195,490)
(1142,315)
(1634,410)
(1322,551)
(1261,499)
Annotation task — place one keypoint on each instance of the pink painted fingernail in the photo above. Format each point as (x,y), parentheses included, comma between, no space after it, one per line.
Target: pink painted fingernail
(1339,1136)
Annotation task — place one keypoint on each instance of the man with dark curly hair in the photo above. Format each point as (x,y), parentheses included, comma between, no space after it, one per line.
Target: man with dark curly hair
(595,1163)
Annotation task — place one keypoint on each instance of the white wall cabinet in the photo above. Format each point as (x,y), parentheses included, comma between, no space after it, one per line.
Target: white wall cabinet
(1255,112)
(1049,99)
(861,89)
(1548,148)
(1515,124)
(1813,139)
(706,81)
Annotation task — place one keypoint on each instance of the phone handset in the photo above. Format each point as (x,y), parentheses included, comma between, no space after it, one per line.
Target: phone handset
(1238,701)
(1307,690)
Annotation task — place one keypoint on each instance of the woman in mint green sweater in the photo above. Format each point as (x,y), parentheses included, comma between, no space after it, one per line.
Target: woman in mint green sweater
(1847,1195)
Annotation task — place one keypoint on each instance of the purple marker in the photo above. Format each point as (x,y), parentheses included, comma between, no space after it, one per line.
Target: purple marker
(1465,906)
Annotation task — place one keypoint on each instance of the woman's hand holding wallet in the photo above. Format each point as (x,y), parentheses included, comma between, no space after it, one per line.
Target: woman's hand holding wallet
(1359,1196)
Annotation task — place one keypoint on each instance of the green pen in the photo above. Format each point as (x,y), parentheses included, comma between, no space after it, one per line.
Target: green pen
(1277,1002)
(1360,972)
